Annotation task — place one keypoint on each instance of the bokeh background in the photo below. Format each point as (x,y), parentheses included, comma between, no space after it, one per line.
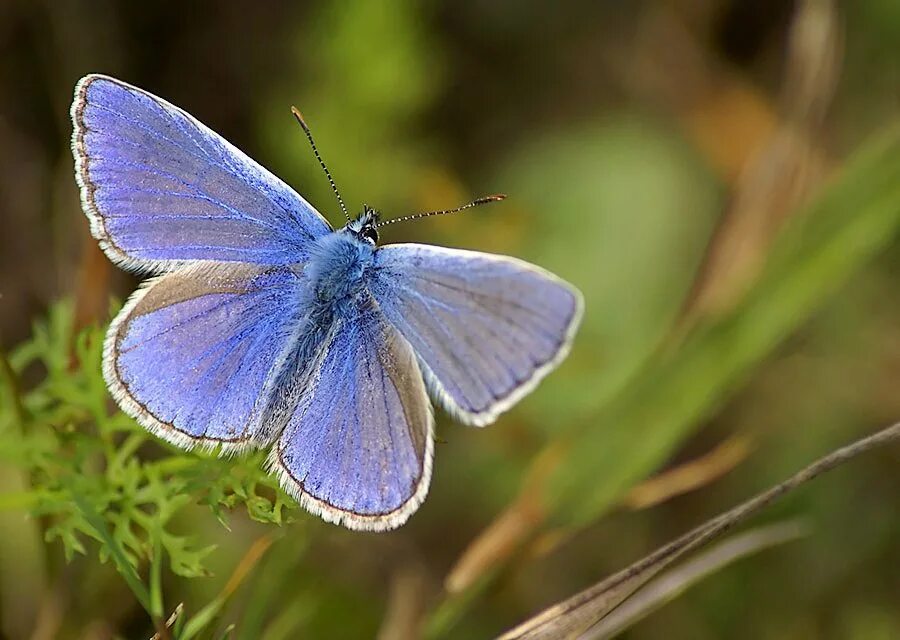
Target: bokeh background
(668,157)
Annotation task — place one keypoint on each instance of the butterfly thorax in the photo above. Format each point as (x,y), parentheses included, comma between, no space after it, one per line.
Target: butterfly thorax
(338,267)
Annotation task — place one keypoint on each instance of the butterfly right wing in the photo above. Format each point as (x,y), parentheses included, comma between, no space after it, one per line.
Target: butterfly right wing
(193,355)
(162,190)
(486,328)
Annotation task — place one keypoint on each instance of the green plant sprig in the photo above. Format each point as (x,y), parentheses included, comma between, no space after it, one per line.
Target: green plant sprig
(95,475)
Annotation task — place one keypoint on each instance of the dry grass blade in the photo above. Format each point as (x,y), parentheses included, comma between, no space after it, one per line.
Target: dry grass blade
(690,475)
(172,619)
(406,604)
(813,62)
(207,614)
(726,117)
(671,584)
(498,542)
(778,179)
(509,531)
(574,616)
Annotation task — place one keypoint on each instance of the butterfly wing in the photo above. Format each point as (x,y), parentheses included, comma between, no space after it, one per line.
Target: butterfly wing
(357,447)
(192,354)
(161,189)
(485,328)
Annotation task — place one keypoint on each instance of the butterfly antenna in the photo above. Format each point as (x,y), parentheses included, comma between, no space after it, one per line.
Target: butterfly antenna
(312,143)
(427,214)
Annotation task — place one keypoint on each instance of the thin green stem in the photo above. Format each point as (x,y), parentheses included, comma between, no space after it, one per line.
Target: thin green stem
(128,572)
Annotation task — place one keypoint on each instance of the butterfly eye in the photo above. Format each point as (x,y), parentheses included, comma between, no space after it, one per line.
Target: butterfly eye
(369,234)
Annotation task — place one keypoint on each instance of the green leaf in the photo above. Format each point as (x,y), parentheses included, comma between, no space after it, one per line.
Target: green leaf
(186,559)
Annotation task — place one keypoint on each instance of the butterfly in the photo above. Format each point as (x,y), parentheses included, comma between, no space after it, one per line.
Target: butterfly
(264,327)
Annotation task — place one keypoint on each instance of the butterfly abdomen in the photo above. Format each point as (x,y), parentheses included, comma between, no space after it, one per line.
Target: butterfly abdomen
(338,268)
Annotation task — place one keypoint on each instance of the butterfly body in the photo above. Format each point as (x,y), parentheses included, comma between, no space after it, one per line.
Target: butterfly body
(263,327)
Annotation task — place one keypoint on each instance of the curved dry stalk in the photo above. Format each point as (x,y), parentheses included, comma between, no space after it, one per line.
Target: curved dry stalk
(573,617)
(672,583)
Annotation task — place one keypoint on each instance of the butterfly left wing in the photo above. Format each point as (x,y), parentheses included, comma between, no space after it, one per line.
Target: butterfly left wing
(485,328)
(357,448)
(161,189)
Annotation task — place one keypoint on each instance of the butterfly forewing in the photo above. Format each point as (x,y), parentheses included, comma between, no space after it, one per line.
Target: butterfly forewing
(162,189)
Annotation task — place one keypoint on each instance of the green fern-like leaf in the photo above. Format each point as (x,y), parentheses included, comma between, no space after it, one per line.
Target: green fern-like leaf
(98,476)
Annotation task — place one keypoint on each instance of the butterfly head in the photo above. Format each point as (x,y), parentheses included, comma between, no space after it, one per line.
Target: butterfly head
(365,227)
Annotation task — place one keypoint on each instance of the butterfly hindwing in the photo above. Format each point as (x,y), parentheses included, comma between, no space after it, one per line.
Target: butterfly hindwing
(485,328)
(357,447)
(161,189)
(192,353)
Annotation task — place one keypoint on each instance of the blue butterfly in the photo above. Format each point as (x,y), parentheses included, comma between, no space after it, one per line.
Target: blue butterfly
(265,327)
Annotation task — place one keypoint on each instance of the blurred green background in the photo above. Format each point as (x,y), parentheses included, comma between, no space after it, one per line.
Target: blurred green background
(694,166)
